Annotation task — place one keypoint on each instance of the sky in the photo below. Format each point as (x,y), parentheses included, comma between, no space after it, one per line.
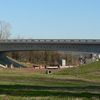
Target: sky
(52,19)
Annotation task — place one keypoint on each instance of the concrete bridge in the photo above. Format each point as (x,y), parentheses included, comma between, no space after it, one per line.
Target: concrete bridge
(81,45)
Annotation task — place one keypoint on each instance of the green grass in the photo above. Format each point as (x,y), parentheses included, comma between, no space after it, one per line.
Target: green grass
(81,83)
(90,72)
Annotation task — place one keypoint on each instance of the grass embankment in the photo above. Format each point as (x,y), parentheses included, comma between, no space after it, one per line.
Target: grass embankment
(81,83)
(87,72)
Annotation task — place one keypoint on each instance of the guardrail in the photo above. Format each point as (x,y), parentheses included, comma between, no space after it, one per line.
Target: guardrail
(50,41)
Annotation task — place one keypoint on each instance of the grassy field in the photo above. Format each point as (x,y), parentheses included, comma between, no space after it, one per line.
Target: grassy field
(81,83)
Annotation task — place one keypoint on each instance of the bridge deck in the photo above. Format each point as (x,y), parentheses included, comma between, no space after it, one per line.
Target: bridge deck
(69,41)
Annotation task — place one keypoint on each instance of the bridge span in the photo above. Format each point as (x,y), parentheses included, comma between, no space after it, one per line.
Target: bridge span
(81,45)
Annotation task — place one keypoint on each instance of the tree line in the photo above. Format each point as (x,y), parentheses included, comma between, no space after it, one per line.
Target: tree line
(43,57)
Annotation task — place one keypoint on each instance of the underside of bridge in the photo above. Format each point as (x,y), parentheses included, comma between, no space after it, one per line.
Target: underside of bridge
(5,61)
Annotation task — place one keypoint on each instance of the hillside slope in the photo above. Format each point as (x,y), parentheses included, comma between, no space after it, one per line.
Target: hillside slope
(89,71)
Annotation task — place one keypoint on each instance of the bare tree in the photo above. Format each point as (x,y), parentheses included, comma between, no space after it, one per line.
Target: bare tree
(5,30)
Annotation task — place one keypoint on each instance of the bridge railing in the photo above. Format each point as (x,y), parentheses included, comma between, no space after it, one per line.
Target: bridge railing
(50,41)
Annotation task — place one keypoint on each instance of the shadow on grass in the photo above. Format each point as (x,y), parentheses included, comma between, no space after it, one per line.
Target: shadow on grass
(27,90)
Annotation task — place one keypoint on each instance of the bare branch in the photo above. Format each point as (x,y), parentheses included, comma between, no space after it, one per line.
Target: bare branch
(5,30)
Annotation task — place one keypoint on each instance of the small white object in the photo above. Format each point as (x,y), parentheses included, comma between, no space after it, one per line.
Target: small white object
(63,62)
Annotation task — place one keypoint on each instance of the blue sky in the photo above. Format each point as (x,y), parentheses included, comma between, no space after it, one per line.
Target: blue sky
(52,19)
